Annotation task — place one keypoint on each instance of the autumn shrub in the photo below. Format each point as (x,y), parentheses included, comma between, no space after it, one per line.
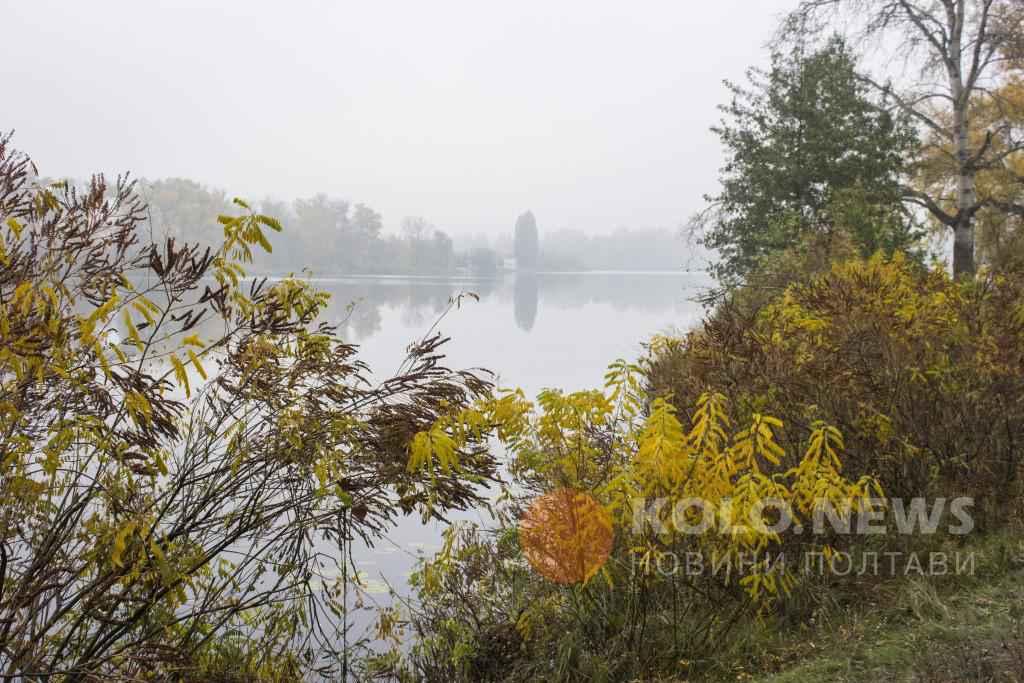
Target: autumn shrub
(862,380)
(484,613)
(187,454)
(921,374)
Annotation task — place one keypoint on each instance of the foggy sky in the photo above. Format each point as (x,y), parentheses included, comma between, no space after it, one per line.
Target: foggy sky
(593,114)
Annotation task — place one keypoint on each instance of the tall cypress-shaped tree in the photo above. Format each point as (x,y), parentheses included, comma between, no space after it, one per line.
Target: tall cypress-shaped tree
(527,242)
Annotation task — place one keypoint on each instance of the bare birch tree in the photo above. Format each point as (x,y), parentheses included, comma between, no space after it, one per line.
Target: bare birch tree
(957,47)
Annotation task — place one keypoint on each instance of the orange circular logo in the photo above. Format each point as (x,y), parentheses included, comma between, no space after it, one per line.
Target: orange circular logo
(566,536)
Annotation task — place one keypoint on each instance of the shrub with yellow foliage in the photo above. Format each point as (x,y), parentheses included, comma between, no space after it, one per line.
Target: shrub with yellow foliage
(874,378)
(485,615)
(179,445)
(922,375)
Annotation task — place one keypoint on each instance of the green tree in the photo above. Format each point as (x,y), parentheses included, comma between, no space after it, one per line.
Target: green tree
(527,242)
(956,48)
(807,153)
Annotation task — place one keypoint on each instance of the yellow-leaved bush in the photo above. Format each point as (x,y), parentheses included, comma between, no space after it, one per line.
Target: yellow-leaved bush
(635,458)
(921,374)
(871,378)
(184,446)
(481,604)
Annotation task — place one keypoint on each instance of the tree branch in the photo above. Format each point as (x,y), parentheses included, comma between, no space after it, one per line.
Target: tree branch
(906,106)
(924,200)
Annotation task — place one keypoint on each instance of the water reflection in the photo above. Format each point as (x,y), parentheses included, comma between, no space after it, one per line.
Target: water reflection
(536,330)
(526,294)
(357,304)
(545,330)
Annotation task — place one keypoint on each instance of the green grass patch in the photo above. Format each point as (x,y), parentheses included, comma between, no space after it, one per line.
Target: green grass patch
(928,630)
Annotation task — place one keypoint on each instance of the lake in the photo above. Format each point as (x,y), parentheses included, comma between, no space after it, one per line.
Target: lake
(546,330)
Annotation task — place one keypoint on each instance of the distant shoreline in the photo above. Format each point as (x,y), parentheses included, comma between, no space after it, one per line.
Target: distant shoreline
(478,278)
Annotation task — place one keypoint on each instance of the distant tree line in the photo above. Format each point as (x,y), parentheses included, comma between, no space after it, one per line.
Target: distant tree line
(331,236)
(325,235)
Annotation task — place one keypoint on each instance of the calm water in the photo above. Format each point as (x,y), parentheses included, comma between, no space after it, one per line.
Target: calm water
(549,330)
(546,330)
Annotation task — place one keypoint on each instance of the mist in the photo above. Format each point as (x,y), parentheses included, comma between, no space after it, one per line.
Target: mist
(594,115)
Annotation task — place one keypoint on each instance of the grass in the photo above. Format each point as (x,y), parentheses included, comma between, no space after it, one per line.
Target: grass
(926,630)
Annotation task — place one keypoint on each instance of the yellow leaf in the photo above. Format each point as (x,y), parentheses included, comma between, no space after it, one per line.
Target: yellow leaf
(195,362)
(133,332)
(181,374)
(121,543)
(144,310)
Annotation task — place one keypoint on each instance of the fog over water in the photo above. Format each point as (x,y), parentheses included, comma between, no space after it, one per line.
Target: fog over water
(534,332)
(592,114)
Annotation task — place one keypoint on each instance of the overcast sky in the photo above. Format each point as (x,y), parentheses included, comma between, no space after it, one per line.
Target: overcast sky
(593,114)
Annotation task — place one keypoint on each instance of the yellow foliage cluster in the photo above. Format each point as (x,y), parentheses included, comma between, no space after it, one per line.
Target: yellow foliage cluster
(627,452)
(996,116)
(93,361)
(880,293)
(922,374)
